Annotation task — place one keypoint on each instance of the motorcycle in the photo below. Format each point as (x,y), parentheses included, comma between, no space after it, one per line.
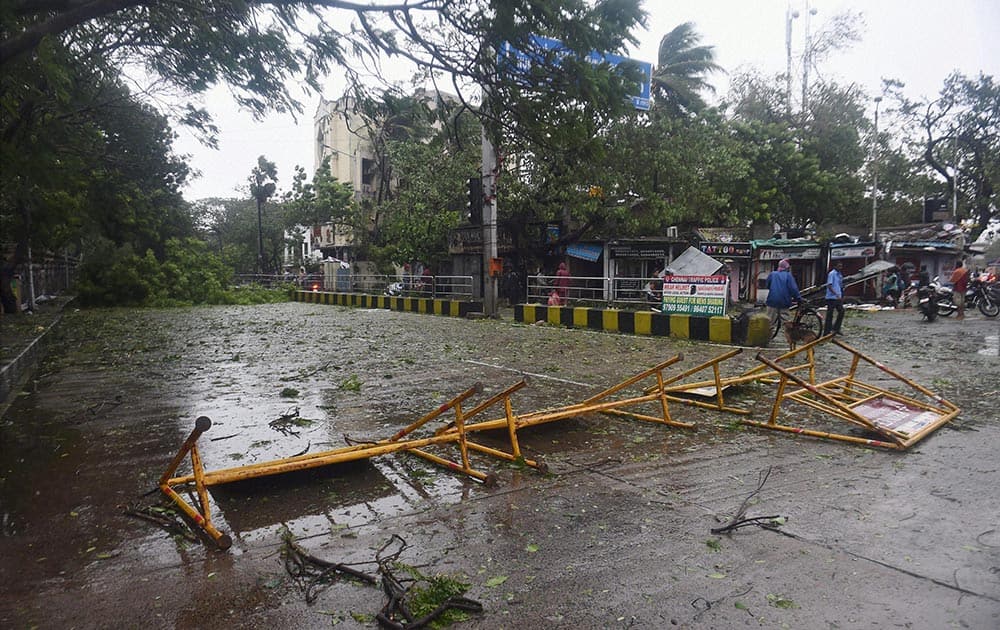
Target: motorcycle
(927,302)
(983,296)
(943,296)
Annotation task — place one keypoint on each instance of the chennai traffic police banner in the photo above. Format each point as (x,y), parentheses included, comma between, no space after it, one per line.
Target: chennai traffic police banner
(695,295)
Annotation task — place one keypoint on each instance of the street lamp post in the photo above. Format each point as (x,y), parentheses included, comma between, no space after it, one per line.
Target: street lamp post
(878,99)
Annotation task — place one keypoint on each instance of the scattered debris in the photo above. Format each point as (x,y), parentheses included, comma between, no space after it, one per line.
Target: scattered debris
(165,515)
(286,422)
(303,375)
(739,519)
(422,600)
(314,574)
(223,437)
(412,602)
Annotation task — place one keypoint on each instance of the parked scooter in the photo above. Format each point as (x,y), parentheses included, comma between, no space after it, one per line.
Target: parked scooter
(983,296)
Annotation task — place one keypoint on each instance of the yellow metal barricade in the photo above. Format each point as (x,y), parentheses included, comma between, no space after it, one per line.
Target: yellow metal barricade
(688,392)
(899,419)
(456,432)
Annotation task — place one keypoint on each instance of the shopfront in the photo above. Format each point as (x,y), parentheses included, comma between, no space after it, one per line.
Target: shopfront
(631,263)
(931,245)
(736,260)
(854,256)
(803,254)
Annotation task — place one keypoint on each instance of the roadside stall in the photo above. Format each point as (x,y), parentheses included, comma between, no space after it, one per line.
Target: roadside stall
(933,245)
(803,254)
(632,262)
(731,247)
(855,256)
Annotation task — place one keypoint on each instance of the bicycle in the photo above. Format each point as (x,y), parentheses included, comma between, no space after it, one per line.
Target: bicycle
(806,318)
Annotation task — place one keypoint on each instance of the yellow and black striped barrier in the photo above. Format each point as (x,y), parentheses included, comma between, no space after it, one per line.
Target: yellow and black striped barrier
(433,306)
(753,331)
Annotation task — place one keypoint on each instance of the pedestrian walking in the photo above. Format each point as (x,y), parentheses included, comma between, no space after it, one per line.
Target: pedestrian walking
(959,284)
(834,300)
(782,290)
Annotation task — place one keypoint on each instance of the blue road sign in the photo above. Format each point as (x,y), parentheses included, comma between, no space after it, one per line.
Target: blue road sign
(523,62)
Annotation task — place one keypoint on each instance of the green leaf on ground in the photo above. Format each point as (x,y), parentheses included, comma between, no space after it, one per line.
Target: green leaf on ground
(780,602)
(496,580)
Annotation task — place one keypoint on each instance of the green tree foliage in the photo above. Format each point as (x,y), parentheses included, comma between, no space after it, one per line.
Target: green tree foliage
(681,71)
(804,170)
(429,152)
(229,226)
(959,132)
(63,61)
(324,200)
(81,158)
(187,273)
(262,185)
(255,47)
(308,204)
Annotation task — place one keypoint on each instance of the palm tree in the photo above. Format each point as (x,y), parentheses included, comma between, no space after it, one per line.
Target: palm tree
(681,71)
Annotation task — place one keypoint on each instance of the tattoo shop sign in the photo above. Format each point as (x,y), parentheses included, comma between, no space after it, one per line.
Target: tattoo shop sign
(695,295)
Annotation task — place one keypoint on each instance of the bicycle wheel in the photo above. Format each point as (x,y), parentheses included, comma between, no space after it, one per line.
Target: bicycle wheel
(811,321)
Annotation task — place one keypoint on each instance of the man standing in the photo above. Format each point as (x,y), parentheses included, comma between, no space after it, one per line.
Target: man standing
(834,299)
(959,283)
(781,291)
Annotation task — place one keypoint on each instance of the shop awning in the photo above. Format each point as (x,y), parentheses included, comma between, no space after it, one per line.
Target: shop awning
(585,251)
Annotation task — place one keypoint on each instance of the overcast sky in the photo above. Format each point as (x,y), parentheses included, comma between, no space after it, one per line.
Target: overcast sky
(916,41)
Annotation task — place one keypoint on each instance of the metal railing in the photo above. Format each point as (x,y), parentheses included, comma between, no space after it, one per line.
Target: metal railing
(594,290)
(45,277)
(569,290)
(449,287)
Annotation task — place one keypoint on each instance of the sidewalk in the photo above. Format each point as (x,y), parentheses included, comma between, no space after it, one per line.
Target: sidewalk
(22,343)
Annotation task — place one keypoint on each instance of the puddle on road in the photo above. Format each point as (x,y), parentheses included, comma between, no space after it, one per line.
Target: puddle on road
(334,499)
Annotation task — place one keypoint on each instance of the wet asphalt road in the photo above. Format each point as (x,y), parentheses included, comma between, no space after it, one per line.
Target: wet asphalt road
(615,535)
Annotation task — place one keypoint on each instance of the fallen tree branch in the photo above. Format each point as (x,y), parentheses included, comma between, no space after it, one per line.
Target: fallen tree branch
(313,573)
(164,517)
(283,424)
(739,519)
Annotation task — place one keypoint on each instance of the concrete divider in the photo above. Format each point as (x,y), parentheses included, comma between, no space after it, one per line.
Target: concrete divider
(752,330)
(434,306)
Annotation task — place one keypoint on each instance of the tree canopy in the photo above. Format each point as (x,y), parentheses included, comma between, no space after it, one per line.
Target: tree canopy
(91,89)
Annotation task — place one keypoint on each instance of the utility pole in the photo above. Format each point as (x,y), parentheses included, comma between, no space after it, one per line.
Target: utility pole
(878,99)
(260,236)
(489,173)
(954,180)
